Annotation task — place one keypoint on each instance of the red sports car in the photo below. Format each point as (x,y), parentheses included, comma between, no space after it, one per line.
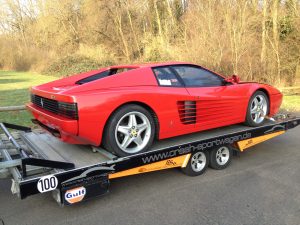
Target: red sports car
(124,108)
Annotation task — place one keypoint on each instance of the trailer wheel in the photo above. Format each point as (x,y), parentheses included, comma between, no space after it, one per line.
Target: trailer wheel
(220,157)
(197,164)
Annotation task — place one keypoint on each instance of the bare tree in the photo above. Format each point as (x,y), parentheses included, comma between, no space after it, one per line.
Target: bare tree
(258,39)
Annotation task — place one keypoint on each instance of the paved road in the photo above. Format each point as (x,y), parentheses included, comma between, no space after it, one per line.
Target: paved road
(261,186)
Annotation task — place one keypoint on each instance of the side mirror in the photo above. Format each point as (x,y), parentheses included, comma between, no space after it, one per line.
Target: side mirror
(234,79)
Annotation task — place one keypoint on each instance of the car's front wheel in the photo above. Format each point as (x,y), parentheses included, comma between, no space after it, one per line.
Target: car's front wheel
(130,130)
(258,109)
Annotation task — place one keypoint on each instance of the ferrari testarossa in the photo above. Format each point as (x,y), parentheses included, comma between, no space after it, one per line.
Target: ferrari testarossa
(124,108)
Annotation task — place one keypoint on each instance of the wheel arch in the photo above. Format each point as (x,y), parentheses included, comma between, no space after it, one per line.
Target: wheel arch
(263,90)
(268,95)
(142,104)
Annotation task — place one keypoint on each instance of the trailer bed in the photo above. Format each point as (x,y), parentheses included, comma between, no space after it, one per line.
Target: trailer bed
(38,162)
(84,155)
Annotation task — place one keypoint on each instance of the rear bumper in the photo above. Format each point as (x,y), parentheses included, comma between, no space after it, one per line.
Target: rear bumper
(66,128)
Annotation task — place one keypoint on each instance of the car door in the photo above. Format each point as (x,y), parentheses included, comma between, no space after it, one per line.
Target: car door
(175,111)
(217,103)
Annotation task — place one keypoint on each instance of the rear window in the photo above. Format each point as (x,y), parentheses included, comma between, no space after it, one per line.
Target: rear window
(166,77)
(101,75)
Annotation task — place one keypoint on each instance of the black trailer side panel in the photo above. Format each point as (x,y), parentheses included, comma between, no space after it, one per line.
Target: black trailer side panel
(99,172)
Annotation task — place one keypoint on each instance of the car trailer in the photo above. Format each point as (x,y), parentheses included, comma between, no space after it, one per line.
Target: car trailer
(38,162)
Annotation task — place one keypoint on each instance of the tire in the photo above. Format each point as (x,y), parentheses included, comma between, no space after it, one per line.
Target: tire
(256,110)
(191,168)
(220,157)
(126,136)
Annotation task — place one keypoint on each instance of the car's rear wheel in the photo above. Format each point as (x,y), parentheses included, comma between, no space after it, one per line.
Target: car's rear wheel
(258,109)
(130,130)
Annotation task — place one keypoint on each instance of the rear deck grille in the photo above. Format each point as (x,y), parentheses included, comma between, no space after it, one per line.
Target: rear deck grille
(65,109)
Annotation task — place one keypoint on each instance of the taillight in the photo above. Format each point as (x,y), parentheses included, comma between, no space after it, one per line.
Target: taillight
(64,109)
(69,110)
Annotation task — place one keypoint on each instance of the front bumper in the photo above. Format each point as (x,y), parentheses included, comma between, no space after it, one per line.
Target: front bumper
(275,102)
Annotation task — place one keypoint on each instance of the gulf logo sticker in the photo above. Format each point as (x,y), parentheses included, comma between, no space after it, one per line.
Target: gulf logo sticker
(75,195)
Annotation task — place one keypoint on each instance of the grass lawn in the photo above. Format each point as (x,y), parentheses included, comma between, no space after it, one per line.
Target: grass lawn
(14,90)
(291,103)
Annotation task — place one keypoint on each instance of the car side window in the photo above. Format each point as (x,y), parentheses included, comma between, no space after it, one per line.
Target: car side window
(198,77)
(166,77)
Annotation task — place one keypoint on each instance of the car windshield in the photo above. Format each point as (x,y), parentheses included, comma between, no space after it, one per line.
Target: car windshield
(102,74)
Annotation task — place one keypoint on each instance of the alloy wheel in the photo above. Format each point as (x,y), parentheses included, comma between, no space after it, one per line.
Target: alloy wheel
(222,155)
(259,108)
(133,132)
(198,161)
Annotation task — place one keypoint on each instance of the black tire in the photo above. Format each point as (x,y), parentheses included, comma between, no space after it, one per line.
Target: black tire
(216,161)
(249,120)
(109,141)
(190,170)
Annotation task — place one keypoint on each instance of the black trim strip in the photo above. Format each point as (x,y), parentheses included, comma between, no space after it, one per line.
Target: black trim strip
(17,127)
(45,163)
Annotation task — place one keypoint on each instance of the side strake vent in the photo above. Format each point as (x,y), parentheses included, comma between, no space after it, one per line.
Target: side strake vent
(187,111)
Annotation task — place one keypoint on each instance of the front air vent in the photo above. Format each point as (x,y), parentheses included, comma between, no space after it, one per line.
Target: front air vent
(187,111)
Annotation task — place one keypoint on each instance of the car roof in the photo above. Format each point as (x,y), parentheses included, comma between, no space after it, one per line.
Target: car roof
(149,64)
